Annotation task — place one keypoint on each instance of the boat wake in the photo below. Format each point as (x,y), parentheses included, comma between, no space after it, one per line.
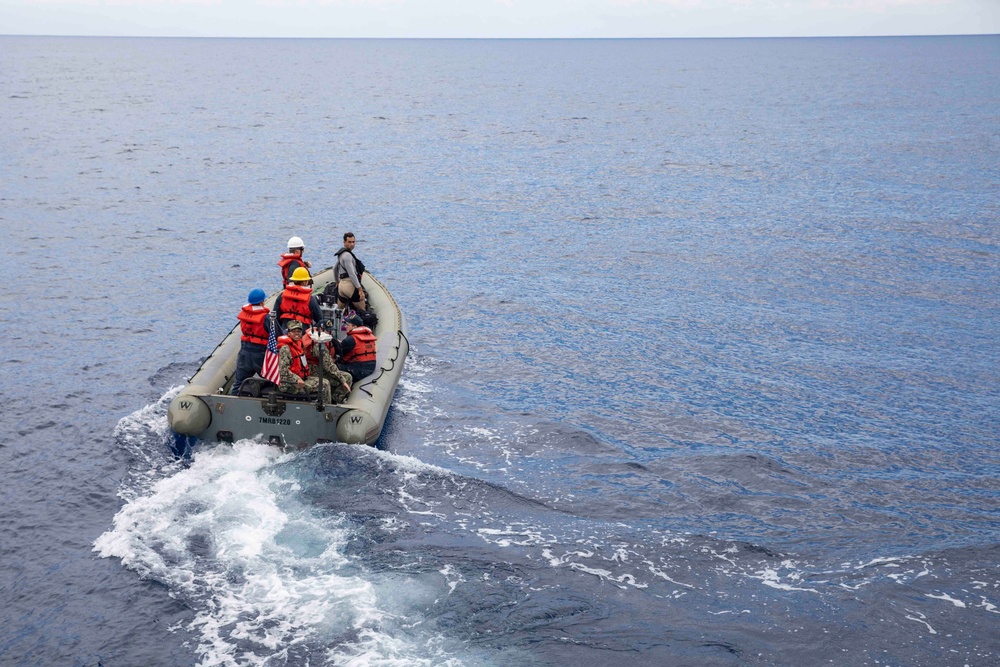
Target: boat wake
(231,533)
(347,555)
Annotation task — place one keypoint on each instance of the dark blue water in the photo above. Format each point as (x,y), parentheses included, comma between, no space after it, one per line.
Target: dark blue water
(704,366)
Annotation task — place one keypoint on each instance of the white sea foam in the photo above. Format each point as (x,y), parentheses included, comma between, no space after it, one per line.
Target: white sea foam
(920,618)
(658,571)
(403,462)
(988,606)
(507,536)
(265,573)
(773,577)
(144,435)
(947,598)
(883,562)
(413,395)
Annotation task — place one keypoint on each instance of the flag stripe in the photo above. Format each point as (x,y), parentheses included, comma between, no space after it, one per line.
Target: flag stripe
(270,369)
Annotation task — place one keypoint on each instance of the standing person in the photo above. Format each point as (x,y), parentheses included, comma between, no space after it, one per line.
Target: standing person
(297,302)
(292,260)
(255,327)
(293,367)
(357,349)
(349,271)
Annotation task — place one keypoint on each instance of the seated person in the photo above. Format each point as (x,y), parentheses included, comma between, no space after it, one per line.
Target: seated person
(293,366)
(357,349)
(340,381)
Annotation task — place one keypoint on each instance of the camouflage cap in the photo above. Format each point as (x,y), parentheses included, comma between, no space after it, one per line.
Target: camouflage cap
(294,324)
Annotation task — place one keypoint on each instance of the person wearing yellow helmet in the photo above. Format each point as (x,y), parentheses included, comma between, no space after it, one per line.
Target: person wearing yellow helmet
(292,260)
(297,302)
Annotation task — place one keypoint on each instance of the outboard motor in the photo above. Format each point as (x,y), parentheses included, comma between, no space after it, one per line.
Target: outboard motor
(333,316)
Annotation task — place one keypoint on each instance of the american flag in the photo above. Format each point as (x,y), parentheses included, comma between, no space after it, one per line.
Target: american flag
(270,369)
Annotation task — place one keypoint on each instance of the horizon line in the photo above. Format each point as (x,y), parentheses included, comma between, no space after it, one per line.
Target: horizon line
(846,36)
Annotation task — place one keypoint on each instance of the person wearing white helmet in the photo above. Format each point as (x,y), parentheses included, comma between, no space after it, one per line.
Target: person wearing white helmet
(292,259)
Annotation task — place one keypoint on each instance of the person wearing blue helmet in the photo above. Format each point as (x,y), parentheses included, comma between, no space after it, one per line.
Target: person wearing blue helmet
(255,326)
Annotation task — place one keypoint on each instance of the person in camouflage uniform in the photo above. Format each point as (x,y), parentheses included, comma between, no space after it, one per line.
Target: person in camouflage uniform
(289,381)
(338,379)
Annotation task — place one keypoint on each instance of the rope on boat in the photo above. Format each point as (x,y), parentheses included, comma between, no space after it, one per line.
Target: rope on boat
(384,369)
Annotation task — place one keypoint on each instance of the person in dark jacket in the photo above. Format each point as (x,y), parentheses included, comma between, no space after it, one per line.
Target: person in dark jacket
(255,326)
(357,350)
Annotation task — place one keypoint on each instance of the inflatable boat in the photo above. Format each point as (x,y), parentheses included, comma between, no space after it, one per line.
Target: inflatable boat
(204,410)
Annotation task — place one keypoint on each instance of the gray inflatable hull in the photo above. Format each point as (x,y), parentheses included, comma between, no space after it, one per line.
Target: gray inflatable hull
(203,410)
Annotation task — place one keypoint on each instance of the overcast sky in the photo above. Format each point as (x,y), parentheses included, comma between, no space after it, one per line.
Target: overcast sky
(498,18)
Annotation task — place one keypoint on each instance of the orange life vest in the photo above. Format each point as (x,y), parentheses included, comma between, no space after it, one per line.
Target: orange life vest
(295,304)
(310,348)
(299,365)
(364,345)
(252,324)
(286,261)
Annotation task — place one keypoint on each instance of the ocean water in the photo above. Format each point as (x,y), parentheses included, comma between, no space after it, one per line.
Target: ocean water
(704,364)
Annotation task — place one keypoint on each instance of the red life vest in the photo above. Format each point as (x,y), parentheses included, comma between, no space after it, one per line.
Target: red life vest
(299,365)
(295,304)
(252,324)
(364,345)
(286,261)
